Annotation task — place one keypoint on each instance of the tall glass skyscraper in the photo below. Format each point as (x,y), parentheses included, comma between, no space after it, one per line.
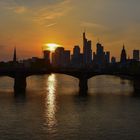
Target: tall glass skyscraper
(87,50)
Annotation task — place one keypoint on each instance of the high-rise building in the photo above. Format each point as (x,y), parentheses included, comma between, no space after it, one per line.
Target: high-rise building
(76,50)
(66,58)
(87,50)
(99,56)
(99,49)
(113,60)
(47,56)
(53,59)
(57,57)
(107,57)
(136,55)
(61,57)
(123,56)
(77,57)
(94,56)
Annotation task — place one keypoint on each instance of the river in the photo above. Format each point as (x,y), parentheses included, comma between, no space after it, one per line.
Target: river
(52,110)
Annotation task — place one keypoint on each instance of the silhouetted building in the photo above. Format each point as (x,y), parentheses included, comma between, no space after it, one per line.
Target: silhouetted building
(107,57)
(123,58)
(76,57)
(136,55)
(27,63)
(15,62)
(34,62)
(15,56)
(37,62)
(61,57)
(47,56)
(87,51)
(99,57)
(66,59)
(94,56)
(113,60)
(76,50)
(57,57)
(34,59)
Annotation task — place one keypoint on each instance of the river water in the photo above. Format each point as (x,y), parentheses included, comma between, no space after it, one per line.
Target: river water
(52,110)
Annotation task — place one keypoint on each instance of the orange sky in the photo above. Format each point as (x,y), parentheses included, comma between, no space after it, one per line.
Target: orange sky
(29,24)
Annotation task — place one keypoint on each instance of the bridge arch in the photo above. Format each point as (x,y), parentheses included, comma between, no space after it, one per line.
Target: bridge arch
(9,83)
(38,82)
(111,75)
(110,85)
(83,75)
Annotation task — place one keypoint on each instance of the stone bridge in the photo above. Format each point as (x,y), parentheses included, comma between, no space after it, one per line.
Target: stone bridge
(20,74)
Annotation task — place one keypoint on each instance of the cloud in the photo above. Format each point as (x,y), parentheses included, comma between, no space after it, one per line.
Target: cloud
(11,5)
(52,12)
(50,25)
(18,9)
(91,25)
(43,12)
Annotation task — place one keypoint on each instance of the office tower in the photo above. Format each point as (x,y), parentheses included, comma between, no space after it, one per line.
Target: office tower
(61,57)
(66,58)
(76,51)
(113,60)
(123,58)
(99,49)
(107,57)
(136,55)
(77,57)
(57,57)
(53,59)
(87,51)
(47,56)
(94,56)
(99,56)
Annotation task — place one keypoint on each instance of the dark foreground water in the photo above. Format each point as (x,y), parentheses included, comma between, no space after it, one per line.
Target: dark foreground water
(52,110)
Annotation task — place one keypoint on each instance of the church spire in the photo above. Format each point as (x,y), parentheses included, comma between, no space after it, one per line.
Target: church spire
(123,47)
(123,55)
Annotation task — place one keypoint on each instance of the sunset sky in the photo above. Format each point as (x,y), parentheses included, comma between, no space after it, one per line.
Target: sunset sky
(28,24)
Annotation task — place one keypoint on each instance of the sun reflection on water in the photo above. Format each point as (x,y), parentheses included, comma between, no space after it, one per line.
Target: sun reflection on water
(50,103)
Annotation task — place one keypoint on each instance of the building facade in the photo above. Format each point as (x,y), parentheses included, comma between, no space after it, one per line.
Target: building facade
(136,55)
(61,57)
(76,57)
(123,58)
(87,50)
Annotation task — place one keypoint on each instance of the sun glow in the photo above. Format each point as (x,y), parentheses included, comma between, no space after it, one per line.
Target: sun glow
(50,46)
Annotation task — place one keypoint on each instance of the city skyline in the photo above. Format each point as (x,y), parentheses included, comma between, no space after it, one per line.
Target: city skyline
(79,55)
(85,49)
(30,24)
(69,69)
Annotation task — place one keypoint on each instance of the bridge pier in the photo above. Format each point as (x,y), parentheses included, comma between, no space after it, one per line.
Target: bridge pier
(83,85)
(19,84)
(136,84)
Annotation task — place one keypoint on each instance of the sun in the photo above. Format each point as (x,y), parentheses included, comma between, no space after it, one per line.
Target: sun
(50,46)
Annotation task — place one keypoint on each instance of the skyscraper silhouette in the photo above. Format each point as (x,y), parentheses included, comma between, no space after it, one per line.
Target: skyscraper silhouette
(47,56)
(136,55)
(87,51)
(61,57)
(76,57)
(100,57)
(123,56)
